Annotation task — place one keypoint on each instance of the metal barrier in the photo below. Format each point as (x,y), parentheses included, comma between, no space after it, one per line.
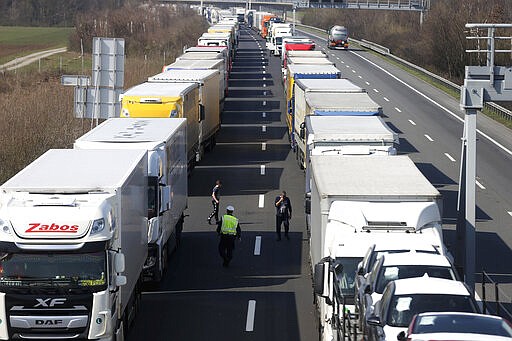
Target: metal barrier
(500,308)
(491,106)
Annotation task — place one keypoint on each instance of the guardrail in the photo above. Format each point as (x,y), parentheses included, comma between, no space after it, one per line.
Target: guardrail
(491,106)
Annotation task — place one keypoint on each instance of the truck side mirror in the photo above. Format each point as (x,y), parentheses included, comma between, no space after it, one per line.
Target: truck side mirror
(120,280)
(202,114)
(302,131)
(119,263)
(320,278)
(307,203)
(165,199)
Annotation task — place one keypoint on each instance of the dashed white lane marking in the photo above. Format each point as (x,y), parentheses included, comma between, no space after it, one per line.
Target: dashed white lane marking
(348,66)
(360,76)
(429,138)
(262,169)
(264,67)
(377,91)
(263,114)
(386,99)
(261,201)
(496,143)
(264,103)
(398,109)
(449,157)
(263,146)
(257,246)
(479,185)
(264,129)
(338,58)
(264,78)
(251,311)
(412,122)
(342,62)
(264,85)
(354,71)
(367,83)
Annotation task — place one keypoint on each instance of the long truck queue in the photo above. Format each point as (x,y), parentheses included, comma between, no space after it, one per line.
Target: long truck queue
(97,221)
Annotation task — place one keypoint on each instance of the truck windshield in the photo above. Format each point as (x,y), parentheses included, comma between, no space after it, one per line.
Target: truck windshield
(346,274)
(62,270)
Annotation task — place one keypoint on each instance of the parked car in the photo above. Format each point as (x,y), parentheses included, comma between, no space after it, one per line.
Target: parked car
(457,327)
(392,267)
(404,298)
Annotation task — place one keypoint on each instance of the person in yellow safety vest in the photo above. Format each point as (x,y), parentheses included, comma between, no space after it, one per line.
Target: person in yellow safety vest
(228,229)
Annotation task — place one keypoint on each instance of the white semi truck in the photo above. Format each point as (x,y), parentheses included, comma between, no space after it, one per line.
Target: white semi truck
(73,242)
(165,143)
(355,202)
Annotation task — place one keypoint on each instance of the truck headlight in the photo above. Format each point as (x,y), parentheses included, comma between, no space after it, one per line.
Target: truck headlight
(173,113)
(97,226)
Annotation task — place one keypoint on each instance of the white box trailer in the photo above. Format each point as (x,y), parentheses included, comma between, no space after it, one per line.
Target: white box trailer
(208,49)
(308,96)
(345,135)
(165,142)
(73,222)
(359,200)
(202,64)
(209,91)
(168,100)
(218,39)
(309,60)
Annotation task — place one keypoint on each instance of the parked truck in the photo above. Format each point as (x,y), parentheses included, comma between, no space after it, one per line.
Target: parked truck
(168,100)
(304,71)
(332,97)
(337,37)
(210,49)
(275,37)
(202,64)
(73,245)
(356,201)
(210,102)
(165,142)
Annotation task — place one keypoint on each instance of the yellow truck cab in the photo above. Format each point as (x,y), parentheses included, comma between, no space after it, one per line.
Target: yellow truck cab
(172,100)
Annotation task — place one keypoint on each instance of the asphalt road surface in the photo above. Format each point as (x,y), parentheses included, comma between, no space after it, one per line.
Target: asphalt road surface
(266,293)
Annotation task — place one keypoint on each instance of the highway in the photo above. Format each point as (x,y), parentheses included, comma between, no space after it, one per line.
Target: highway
(266,292)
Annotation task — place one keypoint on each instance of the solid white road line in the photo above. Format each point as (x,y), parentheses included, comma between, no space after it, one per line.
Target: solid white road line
(257,246)
(262,169)
(263,146)
(264,129)
(386,99)
(251,310)
(479,184)
(261,201)
(449,157)
(412,122)
(429,138)
(496,143)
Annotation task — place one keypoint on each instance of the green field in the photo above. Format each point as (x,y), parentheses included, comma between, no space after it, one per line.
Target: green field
(18,41)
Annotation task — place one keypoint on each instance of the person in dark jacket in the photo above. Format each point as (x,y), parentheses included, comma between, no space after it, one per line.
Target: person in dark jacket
(228,228)
(215,202)
(283,214)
